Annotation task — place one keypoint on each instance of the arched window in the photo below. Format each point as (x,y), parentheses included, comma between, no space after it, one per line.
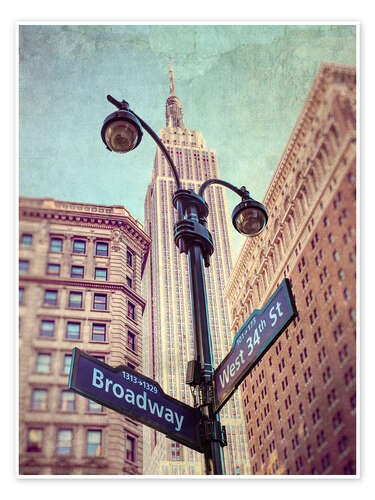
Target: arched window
(334,135)
(312,179)
(325,152)
(292,226)
(258,291)
(265,278)
(286,203)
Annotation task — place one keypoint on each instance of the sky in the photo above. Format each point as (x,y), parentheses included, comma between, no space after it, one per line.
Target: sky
(241,85)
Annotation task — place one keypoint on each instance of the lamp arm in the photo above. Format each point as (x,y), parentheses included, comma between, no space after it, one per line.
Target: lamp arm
(243,192)
(162,147)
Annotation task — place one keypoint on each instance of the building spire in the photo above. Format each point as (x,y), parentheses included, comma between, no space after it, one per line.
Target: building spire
(171,78)
(173,109)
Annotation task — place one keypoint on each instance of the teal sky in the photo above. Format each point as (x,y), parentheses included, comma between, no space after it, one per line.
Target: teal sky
(242,86)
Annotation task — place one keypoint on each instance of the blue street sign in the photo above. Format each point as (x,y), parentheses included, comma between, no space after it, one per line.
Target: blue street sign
(136,396)
(252,341)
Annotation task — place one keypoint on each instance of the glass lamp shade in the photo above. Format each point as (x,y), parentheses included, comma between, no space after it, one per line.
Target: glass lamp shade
(121,132)
(249,217)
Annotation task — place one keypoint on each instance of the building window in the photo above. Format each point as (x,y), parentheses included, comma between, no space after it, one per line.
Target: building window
(21,295)
(75,300)
(77,272)
(129,258)
(100,302)
(39,399)
(64,442)
(67,402)
(176,451)
(94,443)
(56,245)
(129,282)
(98,332)
(53,269)
(342,444)
(43,363)
(131,340)
(349,468)
(23,266)
(67,363)
(47,328)
(73,330)
(100,358)
(325,461)
(34,440)
(100,274)
(352,314)
(26,240)
(130,448)
(94,407)
(102,249)
(50,297)
(79,246)
(131,310)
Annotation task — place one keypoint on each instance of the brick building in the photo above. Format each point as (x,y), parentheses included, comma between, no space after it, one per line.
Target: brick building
(80,268)
(300,399)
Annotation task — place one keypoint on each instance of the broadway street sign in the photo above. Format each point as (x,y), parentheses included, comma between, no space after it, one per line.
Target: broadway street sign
(136,396)
(255,337)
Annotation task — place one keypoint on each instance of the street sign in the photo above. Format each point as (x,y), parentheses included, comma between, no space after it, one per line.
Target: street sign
(136,396)
(252,341)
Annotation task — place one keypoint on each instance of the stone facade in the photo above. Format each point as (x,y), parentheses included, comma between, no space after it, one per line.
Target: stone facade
(80,286)
(300,399)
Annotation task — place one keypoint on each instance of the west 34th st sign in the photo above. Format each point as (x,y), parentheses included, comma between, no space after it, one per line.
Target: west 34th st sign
(136,396)
(252,341)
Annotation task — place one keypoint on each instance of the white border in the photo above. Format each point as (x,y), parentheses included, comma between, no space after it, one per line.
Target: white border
(278,10)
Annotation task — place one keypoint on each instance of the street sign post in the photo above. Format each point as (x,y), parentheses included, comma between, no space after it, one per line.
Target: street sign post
(252,341)
(136,396)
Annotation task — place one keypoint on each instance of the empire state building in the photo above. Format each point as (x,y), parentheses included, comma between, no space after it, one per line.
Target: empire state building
(168,329)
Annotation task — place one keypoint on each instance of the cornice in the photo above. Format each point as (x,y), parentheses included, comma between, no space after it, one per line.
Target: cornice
(328,75)
(89,220)
(104,286)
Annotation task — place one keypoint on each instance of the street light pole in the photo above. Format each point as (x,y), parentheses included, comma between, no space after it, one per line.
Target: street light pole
(121,132)
(193,238)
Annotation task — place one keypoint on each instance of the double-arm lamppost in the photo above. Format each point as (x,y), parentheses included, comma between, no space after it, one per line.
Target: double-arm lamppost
(122,132)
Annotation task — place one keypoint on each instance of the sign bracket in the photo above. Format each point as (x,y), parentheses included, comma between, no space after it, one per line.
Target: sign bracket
(212,430)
